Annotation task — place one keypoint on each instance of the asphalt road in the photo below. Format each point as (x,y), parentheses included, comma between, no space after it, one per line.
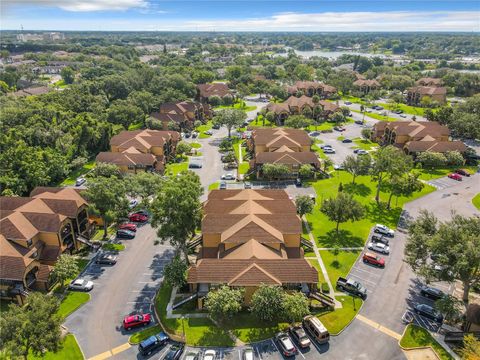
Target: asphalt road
(119,290)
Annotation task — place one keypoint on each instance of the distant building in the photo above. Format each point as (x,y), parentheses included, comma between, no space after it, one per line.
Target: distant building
(140,150)
(183,114)
(428,81)
(365,86)
(416,136)
(205,91)
(35,90)
(297,105)
(415,94)
(48,36)
(311,88)
(290,147)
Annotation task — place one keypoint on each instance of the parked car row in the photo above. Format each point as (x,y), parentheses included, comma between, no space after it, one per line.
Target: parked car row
(458,174)
(310,330)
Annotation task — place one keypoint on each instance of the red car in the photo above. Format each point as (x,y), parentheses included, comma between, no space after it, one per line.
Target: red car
(463,172)
(373,259)
(140,218)
(455,177)
(132,321)
(128,226)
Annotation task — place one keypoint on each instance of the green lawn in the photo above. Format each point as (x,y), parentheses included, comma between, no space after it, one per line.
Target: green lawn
(351,234)
(476,201)
(214,186)
(335,321)
(238,105)
(376,116)
(70,180)
(338,266)
(248,328)
(98,236)
(260,122)
(70,350)
(174,168)
(113,247)
(315,263)
(407,109)
(202,128)
(196,145)
(426,174)
(136,126)
(243,168)
(416,336)
(198,332)
(72,302)
(353,99)
(365,144)
(144,334)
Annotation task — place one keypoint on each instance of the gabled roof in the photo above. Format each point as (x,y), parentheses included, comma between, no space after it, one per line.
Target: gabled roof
(215,89)
(224,271)
(143,139)
(429,81)
(365,82)
(281,136)
(253,275)
(126,158)
(252,249)
(428,90)
(306,157)
(435,146)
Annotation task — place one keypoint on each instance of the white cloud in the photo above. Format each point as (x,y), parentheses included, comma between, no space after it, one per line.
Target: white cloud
(82,5)
(351,21)
(400,21)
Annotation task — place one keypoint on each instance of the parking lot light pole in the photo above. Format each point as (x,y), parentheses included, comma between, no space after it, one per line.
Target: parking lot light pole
(183,328)
(353,300)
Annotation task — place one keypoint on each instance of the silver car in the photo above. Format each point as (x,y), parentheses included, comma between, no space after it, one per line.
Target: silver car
(81,285)
(379,247)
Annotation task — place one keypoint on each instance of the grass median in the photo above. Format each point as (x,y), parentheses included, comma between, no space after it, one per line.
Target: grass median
(335,321)
(416,336)
(69,350)
(71,302)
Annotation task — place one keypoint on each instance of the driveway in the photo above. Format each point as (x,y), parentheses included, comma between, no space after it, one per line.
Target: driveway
(127,287)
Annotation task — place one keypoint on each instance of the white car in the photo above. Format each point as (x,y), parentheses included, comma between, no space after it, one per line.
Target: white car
(228,176)
(81,285)
(132,203)
(379,247)
(80,181)
(329,150)
(384,230)
(247,354)
(209,355)
(338,167)
(361,152)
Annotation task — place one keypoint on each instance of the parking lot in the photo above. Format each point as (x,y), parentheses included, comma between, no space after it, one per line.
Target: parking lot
(289,186)
(443,183)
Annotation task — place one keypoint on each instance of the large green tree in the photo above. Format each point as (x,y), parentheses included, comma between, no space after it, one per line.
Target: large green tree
(304,205)
(230,118)
(295,306)
(143,186)
(388,162)
(177,211)
(342,209)
(107,199)
(454,245)
(275,171)
(224,302)
(357,165)
(31,329)
(267,302)
(175,272)
(65,268)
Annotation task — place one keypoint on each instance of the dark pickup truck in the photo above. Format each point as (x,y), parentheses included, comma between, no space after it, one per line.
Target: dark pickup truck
(353,287)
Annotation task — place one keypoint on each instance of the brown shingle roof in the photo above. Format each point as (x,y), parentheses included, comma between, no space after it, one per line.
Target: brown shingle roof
(281,136)
(429,81)
(216,89)
(143,139)
(300,158)
(365,82)
(223,271)
(428,90)
(126,158)
(435,146)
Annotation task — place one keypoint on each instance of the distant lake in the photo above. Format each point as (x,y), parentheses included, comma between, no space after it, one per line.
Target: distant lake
(334,54)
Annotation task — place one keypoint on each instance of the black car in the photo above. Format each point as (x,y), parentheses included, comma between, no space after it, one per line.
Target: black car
(106,259)
(298,182)
(216,126)
(431,293)
(223,185)
(428,312)
(359,122)
(187,135)
(174,352)
(153,343)
(194,165)
(380,239)
(125,234)
(346,141)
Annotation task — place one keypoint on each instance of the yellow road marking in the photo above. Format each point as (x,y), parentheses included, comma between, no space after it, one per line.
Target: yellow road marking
(379,327)
(110,353)
(121,348)
(102,356)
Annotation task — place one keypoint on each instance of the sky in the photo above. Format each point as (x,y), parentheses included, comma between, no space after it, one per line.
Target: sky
(241,15)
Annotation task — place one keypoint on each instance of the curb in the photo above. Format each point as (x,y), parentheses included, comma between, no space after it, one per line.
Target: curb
(337,334)
(78,308)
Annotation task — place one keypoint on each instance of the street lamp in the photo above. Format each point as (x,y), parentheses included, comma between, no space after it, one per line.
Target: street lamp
(353,300)
(183,327)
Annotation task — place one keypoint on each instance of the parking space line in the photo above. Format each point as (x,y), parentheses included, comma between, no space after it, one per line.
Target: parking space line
(276,347)
(298,350)
(368,272)
(139,302)
(121,348)
(145,291)
(379,327)
(258,353)
(102,356)
(360,279)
